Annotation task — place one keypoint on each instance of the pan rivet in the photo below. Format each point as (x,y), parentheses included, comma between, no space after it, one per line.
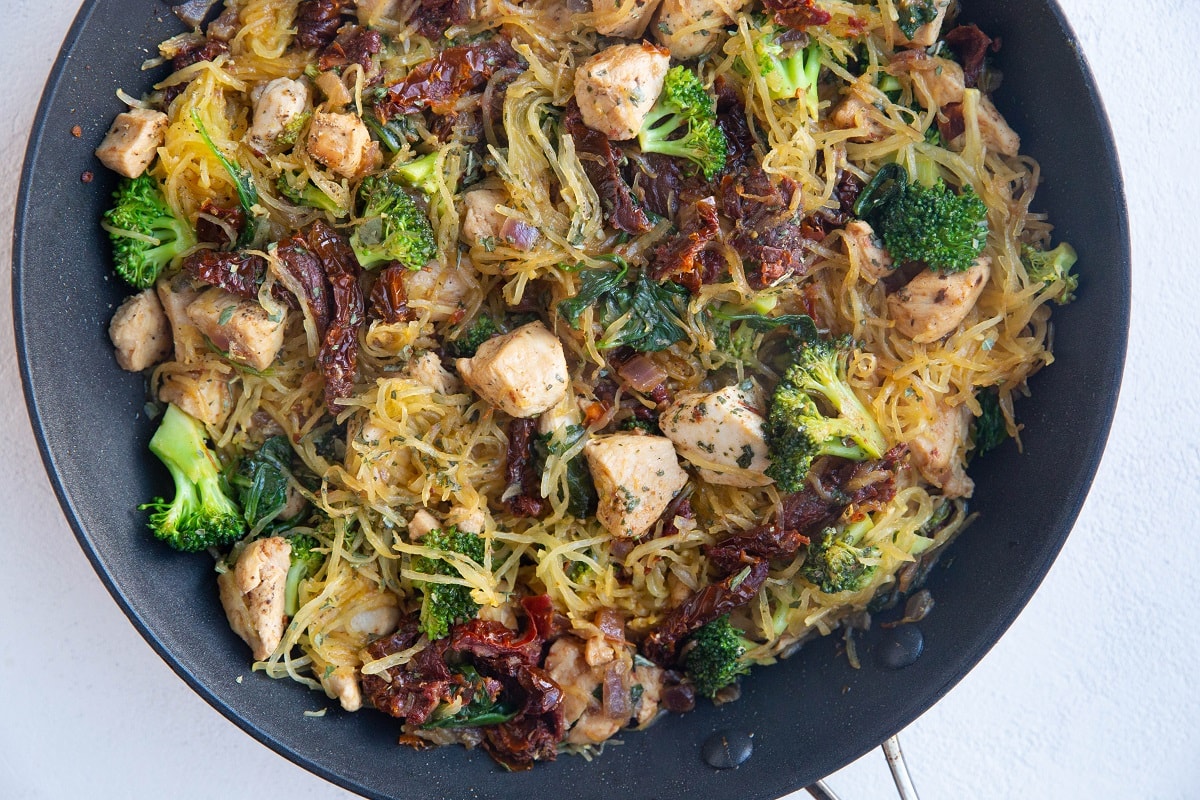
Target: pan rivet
(727,749)
(900,647)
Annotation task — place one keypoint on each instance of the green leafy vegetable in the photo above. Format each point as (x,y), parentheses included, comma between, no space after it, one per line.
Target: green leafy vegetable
(261,481)
(582,498)
(243,181)
(482,709)
(989,429)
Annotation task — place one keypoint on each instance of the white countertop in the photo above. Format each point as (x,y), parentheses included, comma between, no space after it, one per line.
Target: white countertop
(1090,694)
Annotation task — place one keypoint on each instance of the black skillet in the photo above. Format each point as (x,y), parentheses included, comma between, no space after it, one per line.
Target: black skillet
(808,716)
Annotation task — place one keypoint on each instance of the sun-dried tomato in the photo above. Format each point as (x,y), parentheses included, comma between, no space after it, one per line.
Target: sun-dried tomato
(602,164)
(317,21)
(441,82)
(339,350)
(389,300)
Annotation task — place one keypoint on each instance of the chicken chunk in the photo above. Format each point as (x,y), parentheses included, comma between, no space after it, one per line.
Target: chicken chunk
(722,433)
(938,451)
(625,18)
(650,678)
(939,82)
(472,520)
(341,684)
(865,250)
(523,373)
(427,369)
(279,113)
(176,294)
(689,28)
(133,140)
(580,683)
(925,35)
(371,11)
(140,332)
(238,327)
(857,113)
(481,222)
(253,594)
(934,303)
(380,618)
(340,142)
(421,524)
(438,289)
(202,392)
(636,476)
(565,413)
(617,87)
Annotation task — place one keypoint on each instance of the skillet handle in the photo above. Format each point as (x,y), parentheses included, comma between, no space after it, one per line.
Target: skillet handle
(895,758)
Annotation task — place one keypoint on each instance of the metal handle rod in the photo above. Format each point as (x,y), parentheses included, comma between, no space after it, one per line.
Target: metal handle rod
(821,791)
(895,759)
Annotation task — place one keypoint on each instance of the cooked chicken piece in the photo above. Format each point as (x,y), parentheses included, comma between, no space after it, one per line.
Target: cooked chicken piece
(340,142)
(253,594)
(925,35)
(133,141)
(939,82)
(202,392)
(421,524)
(857,113)
(933,304)
(341,684)
(279,114)
(650,678)
(240,328)
(722,433)
(440,289)
(371,11)
(470,521)
(523,373)
(617,87)
(427,369)
(580,681)
(867,252)
(689,28)
(481,222)
(176,294)
(597,651)
(563,414)
(140,332)
(294,504)
(380,619)
(939,451)
(333,88)
(503,614)
(636,476)
(624,18)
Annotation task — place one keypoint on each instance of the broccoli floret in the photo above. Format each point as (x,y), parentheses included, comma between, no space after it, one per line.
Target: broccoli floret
(261,481)
(444,604)
(798,432)
(420,174)
(145,235)
(393,226)
(1050,266)
(912,14)
(790,71)
(308,195)
(479,331)
(684,107)
(947,231)
(305,563)
(835,562)
(715,658)
(202,514)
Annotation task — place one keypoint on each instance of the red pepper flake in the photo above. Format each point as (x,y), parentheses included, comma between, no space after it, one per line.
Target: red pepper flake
(76,131)
(87,176)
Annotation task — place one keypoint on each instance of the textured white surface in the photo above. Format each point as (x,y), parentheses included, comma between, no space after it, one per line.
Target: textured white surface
(1090,694)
